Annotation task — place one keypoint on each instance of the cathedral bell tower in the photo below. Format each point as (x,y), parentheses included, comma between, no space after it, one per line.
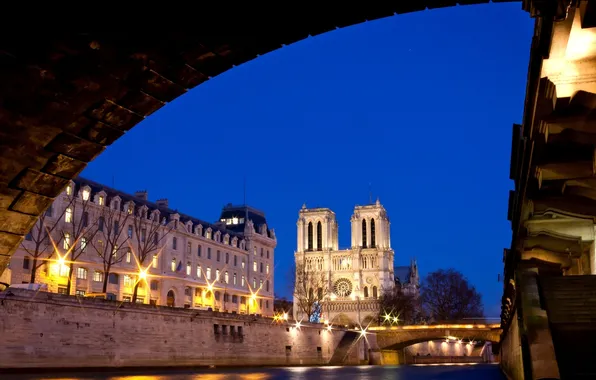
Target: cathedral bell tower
(370,227)
(317,230)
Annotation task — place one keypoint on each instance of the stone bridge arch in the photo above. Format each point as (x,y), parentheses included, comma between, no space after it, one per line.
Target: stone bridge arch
(399,338)
(65,97)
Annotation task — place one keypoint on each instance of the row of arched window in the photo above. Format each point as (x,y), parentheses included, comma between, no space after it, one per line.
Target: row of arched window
(373,243)
(310,246)
(374,292)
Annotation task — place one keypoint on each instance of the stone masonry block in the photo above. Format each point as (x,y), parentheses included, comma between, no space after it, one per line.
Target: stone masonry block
(4,261)
(41,183)
(64,166)
(7,196)
(31,203)
(8,242)
(75,146)
(15,222)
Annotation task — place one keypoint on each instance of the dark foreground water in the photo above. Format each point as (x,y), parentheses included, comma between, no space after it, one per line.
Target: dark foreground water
(418,372)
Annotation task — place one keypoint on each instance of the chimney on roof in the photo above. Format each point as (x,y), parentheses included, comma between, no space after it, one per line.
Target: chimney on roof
(162,203)
(142,194)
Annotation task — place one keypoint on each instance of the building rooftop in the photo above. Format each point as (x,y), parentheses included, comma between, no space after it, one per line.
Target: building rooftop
(258,217)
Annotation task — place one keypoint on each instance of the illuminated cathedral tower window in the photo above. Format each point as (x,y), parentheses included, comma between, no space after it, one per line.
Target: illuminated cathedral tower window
(372,234)
(309,236)
(319,237)
(363,233)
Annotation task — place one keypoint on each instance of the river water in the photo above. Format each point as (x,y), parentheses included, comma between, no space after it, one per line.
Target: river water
(414,372)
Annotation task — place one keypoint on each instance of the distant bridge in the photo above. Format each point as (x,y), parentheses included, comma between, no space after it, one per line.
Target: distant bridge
(399,337)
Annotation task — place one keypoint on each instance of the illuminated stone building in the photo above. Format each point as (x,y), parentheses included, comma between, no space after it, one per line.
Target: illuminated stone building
(226,266)
(357,276)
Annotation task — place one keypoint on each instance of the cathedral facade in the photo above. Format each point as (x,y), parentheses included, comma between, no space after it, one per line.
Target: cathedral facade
(354,278)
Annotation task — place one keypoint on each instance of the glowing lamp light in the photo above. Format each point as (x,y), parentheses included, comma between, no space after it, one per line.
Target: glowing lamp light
(363,332)
(387,317)
(326,321)
(395,319)
(253,297)
(298,324)
(61,261)
(328,327)
(285,316)
(142,274)
(210,287)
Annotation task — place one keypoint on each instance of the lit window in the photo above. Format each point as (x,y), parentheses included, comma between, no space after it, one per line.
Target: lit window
(115,250)
(254,283)
(68,215)
(173,265)
(129,233)
(98,276)
(243,264)
(234,278)
(83,244)
(241,220)
(228,221)
(198,271)
(101,200)
(68,189)
(217,275)
(254,266)
(226,278)
(82,273)
(260,284)
(208,273)
(254,251)
(128,281)
(130,209)
(154,261)
(128,256)
(64,270)
(188,269)
(66,242)
(243,281)
(86,193)
(234,220)
(267,268)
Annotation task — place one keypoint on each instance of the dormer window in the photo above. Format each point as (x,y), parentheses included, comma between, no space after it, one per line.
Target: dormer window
(69,189)
(85,194)
(234,220)
(101,200)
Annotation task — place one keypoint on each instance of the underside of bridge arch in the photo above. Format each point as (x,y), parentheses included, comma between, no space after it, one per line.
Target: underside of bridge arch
(65,97)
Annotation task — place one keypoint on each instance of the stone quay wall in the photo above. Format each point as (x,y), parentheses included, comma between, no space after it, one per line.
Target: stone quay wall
(511,354)
(46,330)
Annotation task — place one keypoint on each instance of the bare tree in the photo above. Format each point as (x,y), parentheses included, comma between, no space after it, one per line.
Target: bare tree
(447,295)
(110,243)
(78,232)
(395,307)
(41,247)
(310,289)
(147,237)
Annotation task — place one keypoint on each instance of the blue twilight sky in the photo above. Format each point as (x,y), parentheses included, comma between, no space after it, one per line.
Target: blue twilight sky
(419,105)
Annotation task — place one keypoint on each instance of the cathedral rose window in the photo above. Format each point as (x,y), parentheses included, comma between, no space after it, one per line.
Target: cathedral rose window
(343,287)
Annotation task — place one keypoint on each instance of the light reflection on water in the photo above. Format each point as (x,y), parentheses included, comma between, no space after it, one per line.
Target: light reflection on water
(442,372)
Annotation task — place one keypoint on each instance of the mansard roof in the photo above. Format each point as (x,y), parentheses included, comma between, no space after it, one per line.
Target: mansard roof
(167,212)
(240,212)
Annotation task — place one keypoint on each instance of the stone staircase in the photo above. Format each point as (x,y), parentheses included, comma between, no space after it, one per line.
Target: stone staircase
(345,345)
(570,302)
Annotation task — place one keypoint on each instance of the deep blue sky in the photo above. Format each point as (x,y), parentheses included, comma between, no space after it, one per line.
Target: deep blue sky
(420,105)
